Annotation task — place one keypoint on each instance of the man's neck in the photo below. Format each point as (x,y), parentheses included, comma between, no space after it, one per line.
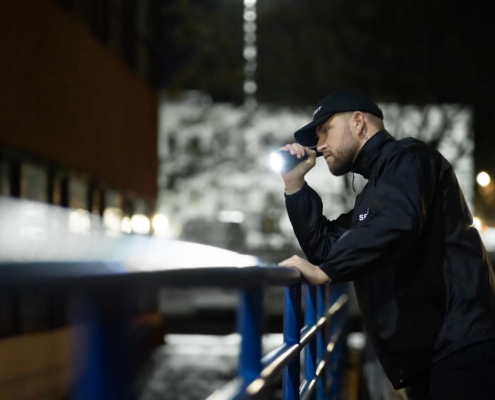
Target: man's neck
(372,131)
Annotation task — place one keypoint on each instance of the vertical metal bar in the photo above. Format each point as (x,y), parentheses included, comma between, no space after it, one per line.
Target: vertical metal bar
(102,349)
(320,340)
(334,391)
(327,340)
(333,327)
(292,335)
(338,323)
(341,345)
(250,320)
(310,348)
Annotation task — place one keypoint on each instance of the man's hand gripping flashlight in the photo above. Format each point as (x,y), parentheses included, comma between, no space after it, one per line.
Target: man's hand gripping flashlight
(291,155)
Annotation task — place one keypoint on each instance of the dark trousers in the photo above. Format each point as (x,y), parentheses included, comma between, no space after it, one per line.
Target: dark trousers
(467,374)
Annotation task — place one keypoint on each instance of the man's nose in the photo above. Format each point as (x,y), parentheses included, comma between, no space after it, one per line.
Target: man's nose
(321,145)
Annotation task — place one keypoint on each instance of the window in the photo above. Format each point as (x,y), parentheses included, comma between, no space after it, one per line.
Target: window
(34,182)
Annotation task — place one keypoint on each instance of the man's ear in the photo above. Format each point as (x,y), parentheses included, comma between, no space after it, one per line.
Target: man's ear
(358,121)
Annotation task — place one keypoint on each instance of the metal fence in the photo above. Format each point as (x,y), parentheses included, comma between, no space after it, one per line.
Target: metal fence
(319,334)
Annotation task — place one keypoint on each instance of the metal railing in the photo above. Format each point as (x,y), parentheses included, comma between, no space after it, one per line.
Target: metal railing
(319,336)
(100,277)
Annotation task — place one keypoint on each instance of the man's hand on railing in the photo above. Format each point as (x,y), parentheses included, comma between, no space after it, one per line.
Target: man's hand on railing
(312,273)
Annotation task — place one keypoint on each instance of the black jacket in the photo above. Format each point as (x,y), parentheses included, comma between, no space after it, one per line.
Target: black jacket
(422,277)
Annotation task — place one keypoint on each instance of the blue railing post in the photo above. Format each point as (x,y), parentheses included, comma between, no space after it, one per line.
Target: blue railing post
(292,335)
(321,309)
(310,348)
(334,372)
(103,347)
(342,344)
(250,324)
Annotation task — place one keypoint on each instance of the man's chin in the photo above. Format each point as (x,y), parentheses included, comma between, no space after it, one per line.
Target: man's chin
(338,170)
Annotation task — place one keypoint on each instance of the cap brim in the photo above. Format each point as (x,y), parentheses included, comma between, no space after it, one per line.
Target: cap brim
(306,136)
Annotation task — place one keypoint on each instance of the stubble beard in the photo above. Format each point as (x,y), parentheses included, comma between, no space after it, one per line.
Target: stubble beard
(344,158)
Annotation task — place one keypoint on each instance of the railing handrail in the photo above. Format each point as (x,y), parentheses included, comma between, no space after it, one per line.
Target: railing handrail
(78,273)
(74,275)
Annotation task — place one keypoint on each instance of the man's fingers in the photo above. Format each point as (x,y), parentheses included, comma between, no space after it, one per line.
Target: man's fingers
(311,154)
(295,149)
(290,262)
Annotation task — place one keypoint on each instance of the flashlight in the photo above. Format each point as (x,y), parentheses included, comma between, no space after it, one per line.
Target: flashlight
(282,161)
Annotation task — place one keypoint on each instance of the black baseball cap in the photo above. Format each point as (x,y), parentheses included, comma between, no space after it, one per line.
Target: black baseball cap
(345,100)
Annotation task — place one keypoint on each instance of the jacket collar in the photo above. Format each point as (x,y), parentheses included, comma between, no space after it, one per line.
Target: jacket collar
(369,153)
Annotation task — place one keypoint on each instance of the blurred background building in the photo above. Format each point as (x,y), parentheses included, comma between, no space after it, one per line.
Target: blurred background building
(78,122)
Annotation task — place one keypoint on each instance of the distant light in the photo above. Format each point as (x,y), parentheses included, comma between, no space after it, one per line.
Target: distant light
(112,219)
(249,3)
(356,340)
(483,179)
(276,162)
(236,217)
(250,52)
(249,16)
(161,225)
(126,225)
(140,224)
(80,222)
(250,87)
(477,223)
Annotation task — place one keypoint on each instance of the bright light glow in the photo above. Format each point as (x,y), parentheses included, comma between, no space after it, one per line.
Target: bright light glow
(488,237)
(80,222)
(140,224)
(167,254)
(255,386)
(250,52)
(249,16)
(250,87)
(477,223)
(161,225)
(483,179)
(356,340)
(126,226)
(276,162)
(249,3)
(236,217)
(112,219)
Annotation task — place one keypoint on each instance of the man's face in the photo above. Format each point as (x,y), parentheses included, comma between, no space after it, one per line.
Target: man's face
(337,143)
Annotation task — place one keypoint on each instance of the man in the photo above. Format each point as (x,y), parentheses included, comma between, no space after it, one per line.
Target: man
(423,281)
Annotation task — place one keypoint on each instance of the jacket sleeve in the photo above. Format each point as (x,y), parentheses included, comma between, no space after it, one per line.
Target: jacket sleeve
(315,233)
(395,219)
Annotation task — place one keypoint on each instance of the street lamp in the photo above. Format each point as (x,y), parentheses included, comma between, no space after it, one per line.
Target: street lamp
(250,54)
(483,179)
